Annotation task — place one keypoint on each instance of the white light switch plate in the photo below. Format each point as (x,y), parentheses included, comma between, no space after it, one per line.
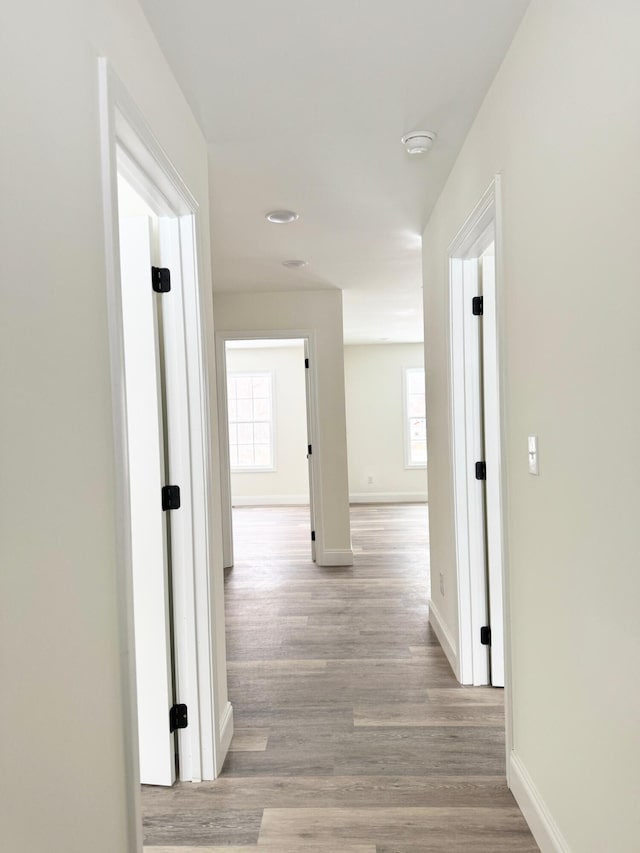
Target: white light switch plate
(533,454)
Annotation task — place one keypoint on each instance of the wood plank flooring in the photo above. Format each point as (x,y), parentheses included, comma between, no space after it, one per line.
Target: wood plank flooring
(352,734)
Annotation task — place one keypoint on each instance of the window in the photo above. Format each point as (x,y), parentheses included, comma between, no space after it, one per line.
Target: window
(250,400)
(415,420)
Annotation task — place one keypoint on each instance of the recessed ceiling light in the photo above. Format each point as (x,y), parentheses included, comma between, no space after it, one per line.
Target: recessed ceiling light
(281,217)
(418,141)
(294,263)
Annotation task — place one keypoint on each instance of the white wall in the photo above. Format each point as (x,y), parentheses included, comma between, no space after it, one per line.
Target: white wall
(376,424)
(289,483)
(62,747)
(562,124)
(320,313)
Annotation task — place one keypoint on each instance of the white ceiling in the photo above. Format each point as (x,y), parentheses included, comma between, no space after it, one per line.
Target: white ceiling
(303,103)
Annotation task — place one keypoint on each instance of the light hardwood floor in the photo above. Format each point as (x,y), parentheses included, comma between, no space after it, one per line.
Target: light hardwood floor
(352,734)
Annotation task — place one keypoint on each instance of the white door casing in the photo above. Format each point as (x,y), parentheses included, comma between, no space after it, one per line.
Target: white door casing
(492,456)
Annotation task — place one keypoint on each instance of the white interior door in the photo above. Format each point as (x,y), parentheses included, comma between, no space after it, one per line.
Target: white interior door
(307,381)
(492,456)
(150,559)
(474,414)
(476,436)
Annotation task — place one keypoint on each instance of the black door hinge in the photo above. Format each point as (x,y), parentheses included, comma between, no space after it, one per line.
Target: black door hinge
(481,470)
(178,718)
(170,497)
(485,635)
(306,362)
(309,449)
(160,279)
(313,536)
(477,306)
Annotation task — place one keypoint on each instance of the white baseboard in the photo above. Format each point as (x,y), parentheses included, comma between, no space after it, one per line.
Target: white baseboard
(226,733)
(334,557)
(270,500)
(535,811)
(446,640)
(388,497)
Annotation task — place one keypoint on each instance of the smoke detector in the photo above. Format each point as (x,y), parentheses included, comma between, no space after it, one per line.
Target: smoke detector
(418,141)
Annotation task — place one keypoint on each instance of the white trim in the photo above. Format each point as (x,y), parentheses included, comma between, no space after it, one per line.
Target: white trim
(388,498)
(493,457)
(444,637)
(469,241)
(270,500)
(334,556)
(226,734)
(207,635)
(183,531)
(536,812)
(223,450)
(502,366)
(124,128)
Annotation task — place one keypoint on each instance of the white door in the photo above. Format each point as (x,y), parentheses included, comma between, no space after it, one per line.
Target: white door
(476,438)
(150,553)
(475,446)
(307,381)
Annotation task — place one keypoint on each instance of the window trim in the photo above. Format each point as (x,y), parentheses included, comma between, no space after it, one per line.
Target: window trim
(254,469)
(408,464)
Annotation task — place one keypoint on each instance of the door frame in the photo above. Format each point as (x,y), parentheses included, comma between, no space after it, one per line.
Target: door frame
(124,129)
(313,429)
(483,225)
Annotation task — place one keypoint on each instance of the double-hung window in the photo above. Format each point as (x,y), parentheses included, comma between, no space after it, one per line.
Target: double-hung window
(415,418)
(250,401)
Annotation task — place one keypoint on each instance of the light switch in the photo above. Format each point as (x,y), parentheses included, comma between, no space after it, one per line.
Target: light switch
(533,454)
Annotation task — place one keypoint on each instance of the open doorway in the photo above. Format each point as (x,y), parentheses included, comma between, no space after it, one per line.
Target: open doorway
(149,470)
(162,459)
(476,421)
(269,444)
(167,499)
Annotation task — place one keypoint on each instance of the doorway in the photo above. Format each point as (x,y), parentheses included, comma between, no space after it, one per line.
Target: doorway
(477,465)
(157,328)
(150,468)
(269,446)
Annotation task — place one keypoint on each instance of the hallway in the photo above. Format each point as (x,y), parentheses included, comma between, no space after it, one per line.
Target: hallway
(351,733)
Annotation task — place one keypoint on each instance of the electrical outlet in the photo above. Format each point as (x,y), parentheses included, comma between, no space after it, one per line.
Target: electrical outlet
(441,584)
(369,480)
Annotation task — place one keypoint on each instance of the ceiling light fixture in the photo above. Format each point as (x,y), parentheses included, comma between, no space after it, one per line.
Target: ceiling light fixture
(294,264)
(418,141)
(282,217)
